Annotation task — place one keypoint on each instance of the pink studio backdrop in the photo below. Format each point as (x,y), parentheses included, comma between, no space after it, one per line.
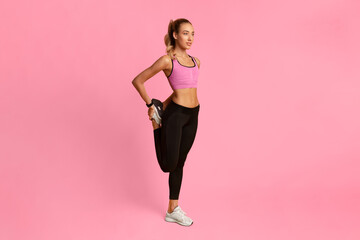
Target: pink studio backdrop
(276,154)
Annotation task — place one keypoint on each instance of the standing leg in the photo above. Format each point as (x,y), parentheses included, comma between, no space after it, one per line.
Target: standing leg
(187,139)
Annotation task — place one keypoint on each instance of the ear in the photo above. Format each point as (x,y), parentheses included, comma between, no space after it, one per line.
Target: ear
(174,34)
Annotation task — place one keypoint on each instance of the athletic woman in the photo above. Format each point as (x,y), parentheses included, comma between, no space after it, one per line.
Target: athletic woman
(175,120)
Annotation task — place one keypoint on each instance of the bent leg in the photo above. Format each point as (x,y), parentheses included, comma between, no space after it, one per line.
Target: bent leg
(167,141)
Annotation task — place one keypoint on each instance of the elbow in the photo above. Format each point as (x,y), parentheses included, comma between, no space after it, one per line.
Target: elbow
(134,82)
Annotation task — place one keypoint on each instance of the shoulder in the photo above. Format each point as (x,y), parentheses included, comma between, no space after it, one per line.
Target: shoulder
(165,59)
(163,62)
(197,61)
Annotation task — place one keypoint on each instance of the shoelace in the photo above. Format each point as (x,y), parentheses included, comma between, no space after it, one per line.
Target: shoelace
(183,217)
(182,211)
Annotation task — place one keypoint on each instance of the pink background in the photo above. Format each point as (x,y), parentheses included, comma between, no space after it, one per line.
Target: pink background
(276,154)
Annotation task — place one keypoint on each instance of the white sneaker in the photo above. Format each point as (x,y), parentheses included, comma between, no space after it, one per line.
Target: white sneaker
(178,216)
(158,110)
(156,118)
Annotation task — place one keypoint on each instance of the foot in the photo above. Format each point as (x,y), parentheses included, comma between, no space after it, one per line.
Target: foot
(158,110)
(155,125)
(178,216)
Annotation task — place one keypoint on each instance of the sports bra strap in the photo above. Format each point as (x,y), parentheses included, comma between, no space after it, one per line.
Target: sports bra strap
(193,60)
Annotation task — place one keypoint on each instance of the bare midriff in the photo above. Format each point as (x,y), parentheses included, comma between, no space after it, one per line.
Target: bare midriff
(186,97)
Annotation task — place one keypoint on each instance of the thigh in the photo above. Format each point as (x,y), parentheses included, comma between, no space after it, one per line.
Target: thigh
(171,135)
(187,138)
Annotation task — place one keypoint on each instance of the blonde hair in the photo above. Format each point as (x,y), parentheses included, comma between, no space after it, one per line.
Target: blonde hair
(174,26)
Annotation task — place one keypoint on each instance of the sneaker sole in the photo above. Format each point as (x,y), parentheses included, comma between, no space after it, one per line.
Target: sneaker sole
(157,113)
(173,220)
(157,120)
(157,103)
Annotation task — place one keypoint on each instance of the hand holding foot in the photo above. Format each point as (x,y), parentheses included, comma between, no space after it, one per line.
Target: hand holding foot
(151,114)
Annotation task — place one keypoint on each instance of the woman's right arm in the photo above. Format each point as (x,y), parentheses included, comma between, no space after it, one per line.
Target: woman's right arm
(138,82)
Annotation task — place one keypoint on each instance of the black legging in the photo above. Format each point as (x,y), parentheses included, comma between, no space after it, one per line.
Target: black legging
(173,141)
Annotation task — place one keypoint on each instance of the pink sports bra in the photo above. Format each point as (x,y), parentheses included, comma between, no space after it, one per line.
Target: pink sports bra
(182,76)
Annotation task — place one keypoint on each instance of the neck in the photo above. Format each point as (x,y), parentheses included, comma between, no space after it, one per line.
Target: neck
(180,52)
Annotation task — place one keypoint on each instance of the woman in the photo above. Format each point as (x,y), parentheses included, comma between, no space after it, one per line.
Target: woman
(175,120)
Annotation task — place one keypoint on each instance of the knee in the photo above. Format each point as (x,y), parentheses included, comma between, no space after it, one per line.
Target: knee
(164,169)
(169,167)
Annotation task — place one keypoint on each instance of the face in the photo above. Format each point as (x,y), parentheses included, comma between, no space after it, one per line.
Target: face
(185,37)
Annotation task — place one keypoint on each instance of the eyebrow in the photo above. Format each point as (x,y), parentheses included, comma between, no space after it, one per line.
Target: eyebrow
(188,31)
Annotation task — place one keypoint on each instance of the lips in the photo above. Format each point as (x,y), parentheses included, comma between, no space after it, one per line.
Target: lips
(189,44)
